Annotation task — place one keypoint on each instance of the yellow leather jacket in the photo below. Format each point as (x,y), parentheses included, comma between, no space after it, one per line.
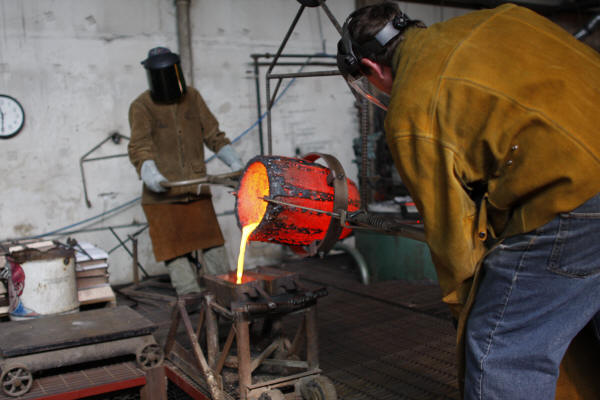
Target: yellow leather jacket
(503,98)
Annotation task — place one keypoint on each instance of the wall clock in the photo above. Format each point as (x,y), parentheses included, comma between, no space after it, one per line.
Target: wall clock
(12,117)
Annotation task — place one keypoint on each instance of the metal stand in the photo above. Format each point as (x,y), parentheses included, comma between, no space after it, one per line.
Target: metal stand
(249,302)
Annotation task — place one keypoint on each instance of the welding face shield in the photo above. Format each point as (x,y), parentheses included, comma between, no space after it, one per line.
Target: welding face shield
(350,54)
(165,77)
(363,89)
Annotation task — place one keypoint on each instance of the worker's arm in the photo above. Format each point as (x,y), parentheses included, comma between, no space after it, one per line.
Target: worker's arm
(140,145)
(215,139)
(430,171)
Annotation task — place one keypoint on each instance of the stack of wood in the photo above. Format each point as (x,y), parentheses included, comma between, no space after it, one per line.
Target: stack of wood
(3,300)
(91,271)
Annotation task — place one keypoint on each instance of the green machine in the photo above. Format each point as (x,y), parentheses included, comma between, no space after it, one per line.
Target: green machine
(392,257)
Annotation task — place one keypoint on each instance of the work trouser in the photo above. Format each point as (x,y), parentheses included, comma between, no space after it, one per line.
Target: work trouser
(537,292)
(182,270)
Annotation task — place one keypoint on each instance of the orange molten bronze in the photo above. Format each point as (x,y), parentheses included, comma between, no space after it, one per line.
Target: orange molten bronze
(294,181)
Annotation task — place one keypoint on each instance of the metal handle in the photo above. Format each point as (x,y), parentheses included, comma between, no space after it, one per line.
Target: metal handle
(228,179)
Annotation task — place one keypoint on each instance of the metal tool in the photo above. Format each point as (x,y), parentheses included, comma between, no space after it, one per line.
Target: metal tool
(363,220)
(228,179)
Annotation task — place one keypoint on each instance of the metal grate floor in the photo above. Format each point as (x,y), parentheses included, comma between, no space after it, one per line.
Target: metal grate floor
(68,383)
(388,340)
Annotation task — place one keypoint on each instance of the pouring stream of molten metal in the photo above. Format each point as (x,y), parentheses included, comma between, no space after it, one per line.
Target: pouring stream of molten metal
(246,231)
(251,206)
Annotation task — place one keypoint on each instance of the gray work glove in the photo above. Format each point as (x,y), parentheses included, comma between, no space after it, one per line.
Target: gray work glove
(229,156)
(152,176)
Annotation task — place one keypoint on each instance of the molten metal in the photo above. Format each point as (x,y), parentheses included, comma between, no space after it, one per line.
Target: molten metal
(294,181)
(246,231)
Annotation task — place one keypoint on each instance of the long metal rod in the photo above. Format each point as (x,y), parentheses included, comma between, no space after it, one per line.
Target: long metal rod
(258,106)
(292,55)
(226,349)
(105,157)
(135,234)
(268,94)
(364,152)
(331,17)
(298,64)
(269,126)
(286,38)
(128,251)
(398,229)
(221,179)
(304,74)
(211,379)
(272,98)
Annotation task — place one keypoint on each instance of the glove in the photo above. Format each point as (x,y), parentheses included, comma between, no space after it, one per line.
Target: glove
(152,177)
(228,155)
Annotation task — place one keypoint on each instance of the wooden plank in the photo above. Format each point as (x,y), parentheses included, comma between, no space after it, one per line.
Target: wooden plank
(95,295)
(42,246)
(69,330)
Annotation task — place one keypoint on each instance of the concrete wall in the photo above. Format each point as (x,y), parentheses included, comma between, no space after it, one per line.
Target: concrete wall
(75,67)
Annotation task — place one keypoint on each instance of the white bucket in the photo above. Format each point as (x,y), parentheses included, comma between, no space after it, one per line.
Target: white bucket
(45,285)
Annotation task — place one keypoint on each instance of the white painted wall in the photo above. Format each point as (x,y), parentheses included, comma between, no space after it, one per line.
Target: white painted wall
(75,67)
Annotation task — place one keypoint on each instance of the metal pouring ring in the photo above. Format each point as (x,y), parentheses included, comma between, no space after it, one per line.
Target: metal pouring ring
(340,200)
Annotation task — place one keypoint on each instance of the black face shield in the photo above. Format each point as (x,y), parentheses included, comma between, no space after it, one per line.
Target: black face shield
(165,78)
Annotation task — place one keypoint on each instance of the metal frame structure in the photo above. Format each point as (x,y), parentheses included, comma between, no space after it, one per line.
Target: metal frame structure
(270,75)
(257,64)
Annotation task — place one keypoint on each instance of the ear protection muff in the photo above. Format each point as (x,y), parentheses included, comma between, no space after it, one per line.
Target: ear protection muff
(349,61)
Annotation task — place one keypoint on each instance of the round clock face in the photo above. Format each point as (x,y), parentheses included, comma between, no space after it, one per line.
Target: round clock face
(12,117)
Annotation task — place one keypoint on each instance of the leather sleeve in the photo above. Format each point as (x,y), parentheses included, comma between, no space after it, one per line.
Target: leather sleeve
(430,171)
(140,147)
(214,138)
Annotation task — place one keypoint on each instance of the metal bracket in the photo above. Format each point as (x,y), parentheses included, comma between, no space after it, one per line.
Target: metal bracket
(340,200)
(279,77)
(116,139)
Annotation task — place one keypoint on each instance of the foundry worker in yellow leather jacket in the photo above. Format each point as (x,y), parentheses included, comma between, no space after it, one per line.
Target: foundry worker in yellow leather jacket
(494,124)
(170,125)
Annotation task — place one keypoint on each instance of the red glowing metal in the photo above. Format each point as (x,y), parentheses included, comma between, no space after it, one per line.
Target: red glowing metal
(294,181)
(232,277)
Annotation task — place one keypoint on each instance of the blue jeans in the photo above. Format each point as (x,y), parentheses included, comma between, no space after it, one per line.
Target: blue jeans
(537,291)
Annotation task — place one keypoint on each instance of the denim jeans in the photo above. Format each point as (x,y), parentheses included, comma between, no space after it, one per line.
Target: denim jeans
(537,291)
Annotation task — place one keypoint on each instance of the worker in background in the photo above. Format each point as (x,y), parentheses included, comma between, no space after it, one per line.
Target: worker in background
(170,124)
(493,123)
